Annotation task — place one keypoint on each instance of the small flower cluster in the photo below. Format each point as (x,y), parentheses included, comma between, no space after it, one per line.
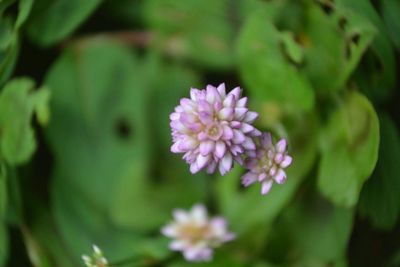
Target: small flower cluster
(96,260)
(267,164)
(214,128)
(195,234)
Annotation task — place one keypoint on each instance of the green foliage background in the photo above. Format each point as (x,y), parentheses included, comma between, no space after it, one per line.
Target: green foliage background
(87,89)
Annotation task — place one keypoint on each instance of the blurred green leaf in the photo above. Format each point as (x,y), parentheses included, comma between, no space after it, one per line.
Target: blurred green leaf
(99,139)
(3,244)
(267,73)
(8,48)
(35,252)
(3,192)
(380,199)
(390,11)
(18,102)
(9,39)
(394,260)
(201,31)
(293,49)
(47,241)
(14,213)
(53,20)
(319,230)
(349,150)
(24,10)
(103,108)
(377,73)
(332,51)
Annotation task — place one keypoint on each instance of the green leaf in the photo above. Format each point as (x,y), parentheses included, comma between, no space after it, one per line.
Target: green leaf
(47,243)
(376,75)
(267,74)
(18,102)
(8,48)
(293,49)
(380,199)
(14,214)
(390,11)
(196,30)
(349,150)
(102,134)
(3,192)
(53,20)
(318,230)
(332,51)
(9,36)
(24,10)
(3,244)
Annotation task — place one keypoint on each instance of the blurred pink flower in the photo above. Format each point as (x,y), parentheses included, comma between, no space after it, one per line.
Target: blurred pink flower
(213,128)
(267,164)
(195,234)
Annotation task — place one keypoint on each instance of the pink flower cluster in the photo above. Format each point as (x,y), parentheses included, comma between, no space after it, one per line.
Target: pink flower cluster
(214,128)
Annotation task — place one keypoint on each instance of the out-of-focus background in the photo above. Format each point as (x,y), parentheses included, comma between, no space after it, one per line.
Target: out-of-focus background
(87,89)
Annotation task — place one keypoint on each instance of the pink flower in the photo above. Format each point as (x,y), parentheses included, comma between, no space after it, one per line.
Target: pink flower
(195,234)
(267,164)
(213,128)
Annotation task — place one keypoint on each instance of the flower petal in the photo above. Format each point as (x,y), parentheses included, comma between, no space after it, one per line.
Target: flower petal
(212,94)
(280,177)
(287,160)
(194,93)
(236,92)
(178,245)
(221,90)
(242,102)
(266,186)
(187,144)
(206,117)
(220,149)
(226,113)
(198,254)
(181,216)
(206,147)
(228,133)
(281,146)
(169,230)
(225,164)
(249,178)
(238,137)
(199,214)
(229,101)
(246,128)
(240,113)
(249,144)
(266,140)
(211,167)
(250,116)
(202,161)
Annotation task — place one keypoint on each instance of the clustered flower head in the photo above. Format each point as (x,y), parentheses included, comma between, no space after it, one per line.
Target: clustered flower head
(195,234)
(96,260)
(213,128)
(267,164)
